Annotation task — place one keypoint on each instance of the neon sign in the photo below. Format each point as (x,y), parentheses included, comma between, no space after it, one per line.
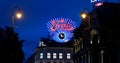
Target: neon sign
(61,29)
(92,1)
(99,4)
(61,24)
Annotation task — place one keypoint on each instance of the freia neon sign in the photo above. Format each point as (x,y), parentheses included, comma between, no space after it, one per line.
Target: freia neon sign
(61,25)
(61,29)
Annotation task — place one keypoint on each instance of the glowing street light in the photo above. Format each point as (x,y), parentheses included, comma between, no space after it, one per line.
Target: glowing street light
(83,15)
(19,15)
(16,13)
(86,18)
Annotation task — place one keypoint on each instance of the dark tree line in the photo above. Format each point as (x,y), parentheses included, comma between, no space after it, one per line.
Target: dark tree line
(10,46)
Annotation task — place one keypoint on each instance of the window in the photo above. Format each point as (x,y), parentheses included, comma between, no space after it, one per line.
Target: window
(60,55)
(48,55)
(41,55)
(68,56)
(54,55)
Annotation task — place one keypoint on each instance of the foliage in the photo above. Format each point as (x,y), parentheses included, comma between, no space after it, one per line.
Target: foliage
(10,46)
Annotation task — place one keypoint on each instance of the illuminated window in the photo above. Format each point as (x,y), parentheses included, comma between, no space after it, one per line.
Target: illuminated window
(60,55)
(68,56)
(48,55)
(54,55)
(41,55)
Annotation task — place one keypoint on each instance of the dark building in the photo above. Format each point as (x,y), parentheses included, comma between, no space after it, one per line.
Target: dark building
(50,51)
(98,36)
(30,59)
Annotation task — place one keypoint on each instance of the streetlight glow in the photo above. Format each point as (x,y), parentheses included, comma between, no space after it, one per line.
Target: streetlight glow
(83,15)
(19,15)
(16,14)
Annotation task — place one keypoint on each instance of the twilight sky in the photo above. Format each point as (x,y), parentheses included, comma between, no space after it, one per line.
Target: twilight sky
(36,13)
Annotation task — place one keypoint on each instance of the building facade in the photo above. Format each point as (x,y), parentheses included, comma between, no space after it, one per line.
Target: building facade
(99,36)
(46,53)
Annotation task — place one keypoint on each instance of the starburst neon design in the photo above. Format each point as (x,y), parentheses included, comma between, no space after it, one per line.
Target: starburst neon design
(61,29)
(61,24)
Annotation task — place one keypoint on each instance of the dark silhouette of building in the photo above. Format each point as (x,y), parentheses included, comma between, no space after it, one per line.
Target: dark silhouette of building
(99,42)
(30,59)
(10,46)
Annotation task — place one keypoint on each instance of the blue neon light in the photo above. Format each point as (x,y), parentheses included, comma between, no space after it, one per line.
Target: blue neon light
(61,29)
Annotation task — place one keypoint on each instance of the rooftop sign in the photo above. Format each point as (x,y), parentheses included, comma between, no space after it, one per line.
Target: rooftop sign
(92,1)
(61,29)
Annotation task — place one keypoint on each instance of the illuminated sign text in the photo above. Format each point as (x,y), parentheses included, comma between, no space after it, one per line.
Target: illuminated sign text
(92,1)
(61,25)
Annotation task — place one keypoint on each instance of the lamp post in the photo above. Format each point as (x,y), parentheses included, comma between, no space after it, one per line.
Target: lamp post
(90,33)
(16,14)
(85,16)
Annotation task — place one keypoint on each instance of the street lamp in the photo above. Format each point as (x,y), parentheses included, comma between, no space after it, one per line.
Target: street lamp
(19,15)
(16,14)
(85,17)
(86,22)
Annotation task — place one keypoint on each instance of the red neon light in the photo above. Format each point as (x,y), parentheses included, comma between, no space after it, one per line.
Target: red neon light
(99,4)
(53,29)
(60,24)
(69,29)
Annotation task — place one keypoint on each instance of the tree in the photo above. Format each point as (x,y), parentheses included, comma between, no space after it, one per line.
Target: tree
(10,46)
